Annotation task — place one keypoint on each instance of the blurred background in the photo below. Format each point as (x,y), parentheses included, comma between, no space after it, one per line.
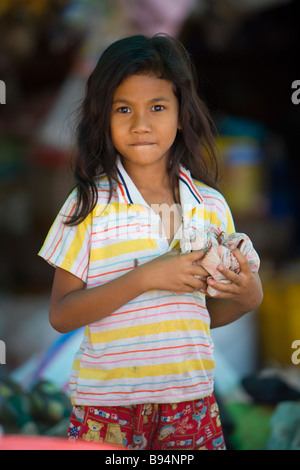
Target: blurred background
(246,54)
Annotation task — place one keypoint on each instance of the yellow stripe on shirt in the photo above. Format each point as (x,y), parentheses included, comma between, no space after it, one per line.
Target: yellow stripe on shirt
(149,329)
(144,371)
(119,248)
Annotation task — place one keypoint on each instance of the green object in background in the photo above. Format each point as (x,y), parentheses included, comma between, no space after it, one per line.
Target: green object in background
(285,427)
(15,410)
(8,388)
(14,404)
(49,404)
(251,425)
(44,409)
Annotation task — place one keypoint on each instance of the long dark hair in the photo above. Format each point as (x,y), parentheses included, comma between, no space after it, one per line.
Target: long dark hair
(194,146)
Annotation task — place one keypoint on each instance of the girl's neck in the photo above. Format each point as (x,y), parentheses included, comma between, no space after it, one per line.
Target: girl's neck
(149,177)
(153,182)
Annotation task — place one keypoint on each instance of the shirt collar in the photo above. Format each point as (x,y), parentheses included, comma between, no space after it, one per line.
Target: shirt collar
(128,193)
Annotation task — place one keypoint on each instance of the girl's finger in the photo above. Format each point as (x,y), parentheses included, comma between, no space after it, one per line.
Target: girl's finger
(194,256)
(223,295)
(243,262)
(199,271)
(230,275)
(203,287)
(195,283)
(226,289)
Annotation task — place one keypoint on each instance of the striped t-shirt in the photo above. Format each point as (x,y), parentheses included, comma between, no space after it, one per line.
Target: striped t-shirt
(157,348)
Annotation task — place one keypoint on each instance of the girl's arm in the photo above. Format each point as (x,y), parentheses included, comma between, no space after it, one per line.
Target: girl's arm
(73,306)
(243,295)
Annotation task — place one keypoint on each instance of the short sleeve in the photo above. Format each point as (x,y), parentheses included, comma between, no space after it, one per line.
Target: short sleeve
(221,215)
(227,222)
(68,247)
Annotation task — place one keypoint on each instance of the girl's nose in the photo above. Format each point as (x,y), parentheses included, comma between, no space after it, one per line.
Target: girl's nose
(140,124)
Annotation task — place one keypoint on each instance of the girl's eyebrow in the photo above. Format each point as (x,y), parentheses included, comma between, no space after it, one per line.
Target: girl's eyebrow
(128,102)
(160,98)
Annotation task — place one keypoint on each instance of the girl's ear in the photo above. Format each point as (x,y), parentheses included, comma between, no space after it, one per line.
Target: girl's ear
(179,126)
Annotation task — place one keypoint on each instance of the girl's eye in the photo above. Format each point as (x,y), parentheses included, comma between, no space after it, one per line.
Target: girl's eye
(123,110)
(157,107)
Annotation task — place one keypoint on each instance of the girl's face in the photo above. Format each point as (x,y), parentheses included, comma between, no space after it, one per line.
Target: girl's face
(144,120)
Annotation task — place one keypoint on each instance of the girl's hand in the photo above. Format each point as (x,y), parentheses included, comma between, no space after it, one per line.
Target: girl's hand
(175,272)
(244,289)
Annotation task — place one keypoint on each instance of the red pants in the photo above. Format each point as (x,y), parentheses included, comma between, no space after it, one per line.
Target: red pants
(186,425)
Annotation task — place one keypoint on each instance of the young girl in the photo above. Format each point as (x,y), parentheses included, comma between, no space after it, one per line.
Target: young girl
(146,172)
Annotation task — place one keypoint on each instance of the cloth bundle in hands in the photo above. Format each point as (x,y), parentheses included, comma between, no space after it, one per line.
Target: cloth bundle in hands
(218,245)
